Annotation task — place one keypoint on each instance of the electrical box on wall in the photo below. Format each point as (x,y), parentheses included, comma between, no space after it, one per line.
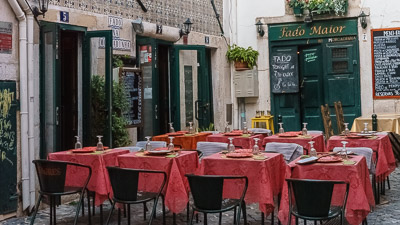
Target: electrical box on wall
(246,83)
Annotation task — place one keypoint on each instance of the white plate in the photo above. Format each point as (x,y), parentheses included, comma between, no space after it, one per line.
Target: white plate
(348,153)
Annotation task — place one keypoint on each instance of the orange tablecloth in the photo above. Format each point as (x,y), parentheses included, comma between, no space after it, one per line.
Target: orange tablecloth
(380,144)
(184,141)
(238,141)
(176,189)
(319,144)
(360,199)
(98,161)
(265,177)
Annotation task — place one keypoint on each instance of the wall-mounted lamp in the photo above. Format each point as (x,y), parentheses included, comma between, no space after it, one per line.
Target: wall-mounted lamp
(363,19)
(308,18)
(138,26)
(260,30)
(43,7)
(187,26)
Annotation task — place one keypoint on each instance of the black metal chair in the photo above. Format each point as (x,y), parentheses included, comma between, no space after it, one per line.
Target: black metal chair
(125,183)
(207,196)
(51,175)
(311,200)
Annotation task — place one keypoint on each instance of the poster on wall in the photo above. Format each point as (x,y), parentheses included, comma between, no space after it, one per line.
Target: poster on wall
(386,63)
(5,37)
(133,83)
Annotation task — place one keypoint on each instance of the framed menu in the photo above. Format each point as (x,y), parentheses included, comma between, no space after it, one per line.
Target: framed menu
(386,62)
(132,81)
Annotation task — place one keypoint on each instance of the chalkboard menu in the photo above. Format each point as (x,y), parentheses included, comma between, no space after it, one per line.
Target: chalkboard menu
(284,70)
(132,81)
(386,62)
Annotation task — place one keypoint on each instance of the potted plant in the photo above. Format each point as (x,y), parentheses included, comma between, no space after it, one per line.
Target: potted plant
(244,58)
(339,7)
(297,5)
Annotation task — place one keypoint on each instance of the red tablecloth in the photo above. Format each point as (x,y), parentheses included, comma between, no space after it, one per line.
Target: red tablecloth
(184,141)
(319,144)
(265,177)
(98,161)
(380,144)
(238,141)
(360,199)
(176,189)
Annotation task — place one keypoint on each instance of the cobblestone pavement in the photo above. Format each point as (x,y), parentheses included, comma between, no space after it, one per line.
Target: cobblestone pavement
(388,212)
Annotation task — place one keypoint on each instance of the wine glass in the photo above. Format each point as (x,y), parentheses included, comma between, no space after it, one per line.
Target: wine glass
(313,152)
(304,130)
(256,148)
(281,130)
(231,147)
(227,130)
(148,145)
(171,146)
(171,128)
(346,129)
(344,151)
(100,146)
(78,144)
(365,131)
(191,130)
(245,131)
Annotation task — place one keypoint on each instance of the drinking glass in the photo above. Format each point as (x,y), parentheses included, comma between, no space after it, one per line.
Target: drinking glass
(344,151)
(346,129)
(148,145)
(256,148)
(171,146)
(231,147)
(227,130)
(281,130)
(365,131)
(100,146)
(245,131)
(191,130)
(171,128)
(313,152)
(78,144)
(304,130)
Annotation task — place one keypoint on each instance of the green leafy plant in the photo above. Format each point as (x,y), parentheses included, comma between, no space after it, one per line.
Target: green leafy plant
(295,3)
(240,54)
(99,113)
(339,7)
(209,128)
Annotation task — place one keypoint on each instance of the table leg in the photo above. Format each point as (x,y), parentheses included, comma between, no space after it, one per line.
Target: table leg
(173,218)
(101,214)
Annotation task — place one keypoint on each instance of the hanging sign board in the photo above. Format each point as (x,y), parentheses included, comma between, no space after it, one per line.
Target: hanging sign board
(132,81)
(386,62)
(284,70)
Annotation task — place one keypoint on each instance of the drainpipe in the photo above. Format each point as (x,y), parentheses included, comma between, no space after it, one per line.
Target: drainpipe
(31,103)
(23,95)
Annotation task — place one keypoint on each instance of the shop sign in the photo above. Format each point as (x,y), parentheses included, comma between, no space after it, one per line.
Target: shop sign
(118,44)
(115,22)
(5,37)
(317,29)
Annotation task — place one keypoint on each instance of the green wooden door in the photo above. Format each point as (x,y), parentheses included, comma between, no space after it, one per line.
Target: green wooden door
(97,59)
(311,86)
(190,102)
(8,147)
(342,79)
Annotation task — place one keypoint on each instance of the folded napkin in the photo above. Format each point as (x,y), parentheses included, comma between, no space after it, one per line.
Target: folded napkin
(290,151)
(364,151)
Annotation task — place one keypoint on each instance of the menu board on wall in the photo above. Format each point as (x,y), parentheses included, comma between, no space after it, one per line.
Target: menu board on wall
(284,70)
(133,83)
(386,62)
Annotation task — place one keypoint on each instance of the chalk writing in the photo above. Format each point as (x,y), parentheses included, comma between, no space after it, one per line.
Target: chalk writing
(284,72)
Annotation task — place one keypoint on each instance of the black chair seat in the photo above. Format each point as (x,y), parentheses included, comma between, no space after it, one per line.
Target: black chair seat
(227,204)
(141,197)
(333,212)
(67,191)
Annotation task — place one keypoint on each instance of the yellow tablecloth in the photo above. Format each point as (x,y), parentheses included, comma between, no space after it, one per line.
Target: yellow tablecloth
(386,122)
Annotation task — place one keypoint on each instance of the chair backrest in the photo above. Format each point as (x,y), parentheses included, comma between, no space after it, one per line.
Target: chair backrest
(312,198)
(131,148)
(339,117)
(290,151)
(260,131)
(52,174)
(209,148)
(364,151)
(326,118)
(125,182)
(207,190)
(154,144)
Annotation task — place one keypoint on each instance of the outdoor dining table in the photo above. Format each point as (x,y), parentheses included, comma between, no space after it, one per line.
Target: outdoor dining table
(185,141)
(380,144)
(245,141)
(99,182)
(265,175)
(360,198)
(386,122)
(176,190)
(302,140)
